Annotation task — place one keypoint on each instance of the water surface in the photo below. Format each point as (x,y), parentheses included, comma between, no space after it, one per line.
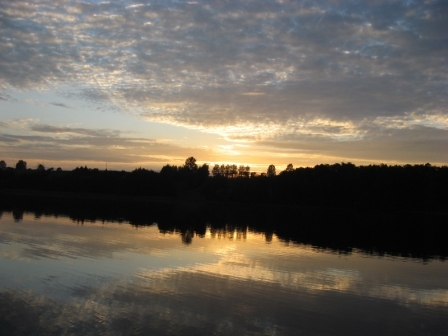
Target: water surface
(60,276)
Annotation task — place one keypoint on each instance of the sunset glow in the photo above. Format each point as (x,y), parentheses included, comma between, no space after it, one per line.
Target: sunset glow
(146,83)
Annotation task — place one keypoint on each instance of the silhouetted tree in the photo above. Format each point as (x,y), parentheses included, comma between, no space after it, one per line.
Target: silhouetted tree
(168,170)
(289,168)
(2,165)
(271,171)
(21,165)
(41,167)
(216,171)
(247,171)
(233,170)
(190,163)
(203,172)
(227,170)
(241,170)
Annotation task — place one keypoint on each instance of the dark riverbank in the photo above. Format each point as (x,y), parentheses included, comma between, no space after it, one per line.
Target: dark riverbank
(82,196)
(382,188)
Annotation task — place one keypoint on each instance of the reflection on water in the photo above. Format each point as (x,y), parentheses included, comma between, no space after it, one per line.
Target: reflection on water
(67,277)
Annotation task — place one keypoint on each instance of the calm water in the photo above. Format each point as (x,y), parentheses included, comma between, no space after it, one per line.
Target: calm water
(60,277)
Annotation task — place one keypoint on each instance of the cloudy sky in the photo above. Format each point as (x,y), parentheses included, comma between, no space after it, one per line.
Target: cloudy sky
(136,83)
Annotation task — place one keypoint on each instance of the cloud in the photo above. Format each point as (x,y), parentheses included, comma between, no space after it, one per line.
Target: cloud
(81,146)
(4,138)
(415,144)
(219,66)
(69,130)
(60,105)
(5,97)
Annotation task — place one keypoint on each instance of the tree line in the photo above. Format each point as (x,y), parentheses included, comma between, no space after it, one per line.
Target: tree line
(227,170)
(341,185)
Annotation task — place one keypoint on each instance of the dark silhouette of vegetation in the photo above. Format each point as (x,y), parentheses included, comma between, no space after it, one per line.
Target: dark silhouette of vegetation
(190,164)
(341,185)
(244,171)
(230,170)
(21,165)
(380,209)
(271,171)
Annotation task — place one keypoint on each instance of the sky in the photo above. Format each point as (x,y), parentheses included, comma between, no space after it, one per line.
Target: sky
(133,83)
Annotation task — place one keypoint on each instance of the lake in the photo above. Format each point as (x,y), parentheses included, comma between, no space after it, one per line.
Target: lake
(64,276)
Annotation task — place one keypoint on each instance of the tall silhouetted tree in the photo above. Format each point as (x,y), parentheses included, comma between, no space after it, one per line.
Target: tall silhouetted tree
(227,170)
(233,171)
(241,170)
(222,170)
(21,165)
(203,172)
(2,165)
(271,171)
(216,171)
(190,163)
(289,168)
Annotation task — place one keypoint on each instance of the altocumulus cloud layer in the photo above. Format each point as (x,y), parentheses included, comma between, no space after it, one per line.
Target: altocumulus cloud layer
(357,79)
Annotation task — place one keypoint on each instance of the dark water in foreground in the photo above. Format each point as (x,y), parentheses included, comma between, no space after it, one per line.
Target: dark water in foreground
(58,277)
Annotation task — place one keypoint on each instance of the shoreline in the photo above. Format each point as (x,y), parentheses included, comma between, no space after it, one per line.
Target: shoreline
(66,195)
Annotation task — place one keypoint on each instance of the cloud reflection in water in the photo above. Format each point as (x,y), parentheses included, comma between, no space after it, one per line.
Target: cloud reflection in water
(110,278)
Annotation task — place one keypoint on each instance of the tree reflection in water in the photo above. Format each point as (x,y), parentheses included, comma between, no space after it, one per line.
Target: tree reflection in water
(419,235)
